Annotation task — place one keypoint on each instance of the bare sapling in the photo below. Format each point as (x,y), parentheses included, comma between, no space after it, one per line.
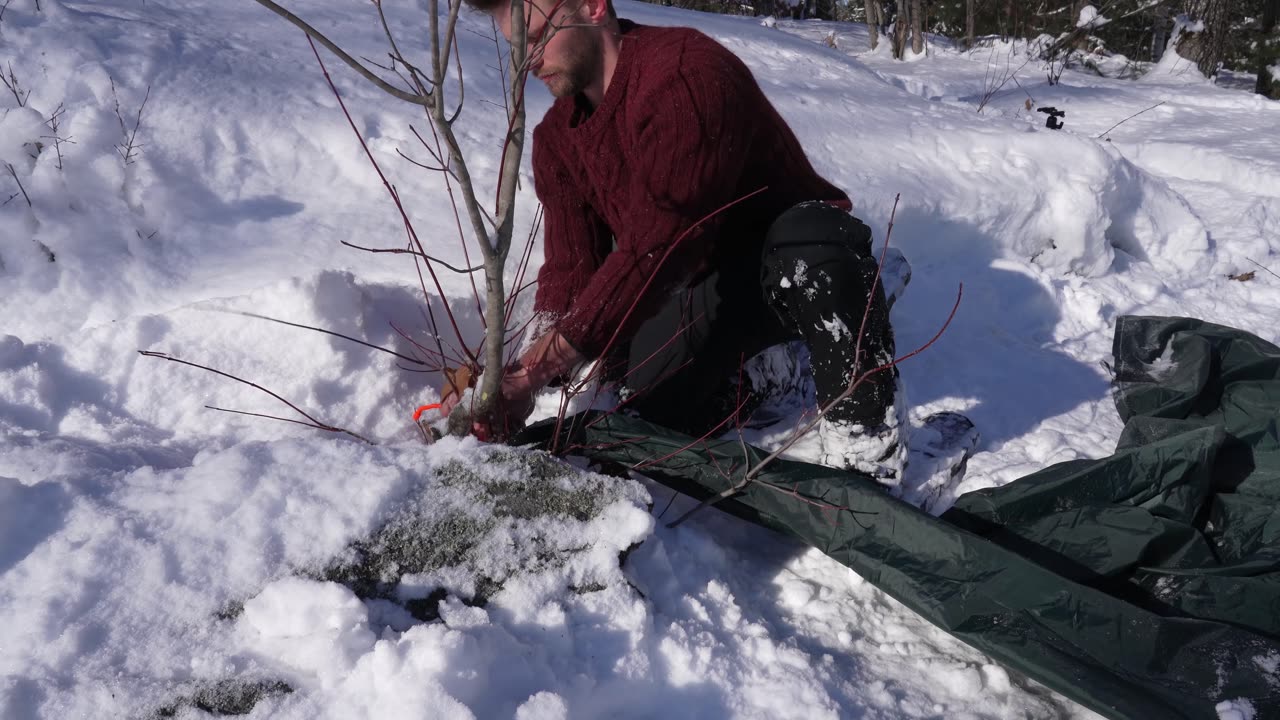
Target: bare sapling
(994,78)
(54,122)
(128,147)
(491,227)
(11,82)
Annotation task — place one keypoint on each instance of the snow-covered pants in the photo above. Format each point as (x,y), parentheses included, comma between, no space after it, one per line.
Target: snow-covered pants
(810,281)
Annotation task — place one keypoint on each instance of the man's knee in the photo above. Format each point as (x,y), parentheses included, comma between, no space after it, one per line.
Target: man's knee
(816,243)
(817,231)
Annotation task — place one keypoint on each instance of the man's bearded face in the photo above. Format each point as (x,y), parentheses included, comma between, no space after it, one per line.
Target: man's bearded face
(564,53)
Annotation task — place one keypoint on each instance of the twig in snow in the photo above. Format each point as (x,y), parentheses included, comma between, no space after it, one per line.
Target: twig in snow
(4,7)
(15,179)
(989,79)
(314,422)
(130,147)
(14,86)
(54,121)
(1264,267)
(1113,127)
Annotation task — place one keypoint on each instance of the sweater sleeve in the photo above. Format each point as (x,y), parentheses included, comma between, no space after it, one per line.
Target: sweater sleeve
(575,238)
(692,131)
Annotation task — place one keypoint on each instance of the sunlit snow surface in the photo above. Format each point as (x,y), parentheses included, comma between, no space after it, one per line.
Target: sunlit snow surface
(150,547)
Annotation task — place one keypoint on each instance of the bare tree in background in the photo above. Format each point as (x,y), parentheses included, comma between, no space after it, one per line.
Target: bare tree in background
(875,18)
(1269,50)
(901,29)
(1159,30)
(917,26)
(970,14)
(1207,47)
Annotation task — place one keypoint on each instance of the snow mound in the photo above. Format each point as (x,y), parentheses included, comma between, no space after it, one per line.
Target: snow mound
(292,570)
(1065,203)
(1090,18)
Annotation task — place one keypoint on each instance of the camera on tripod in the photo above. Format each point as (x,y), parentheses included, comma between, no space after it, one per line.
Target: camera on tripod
(1053,123)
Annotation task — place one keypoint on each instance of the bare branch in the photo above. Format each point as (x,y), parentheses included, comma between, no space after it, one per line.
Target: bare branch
(406,251)
(54,121)
(14,86)
(389,68)
(315,423)
(14,173)
(462,84)
(1113,127)
(319,37)
(129,147)
(395,196)
(420,164)
(327,332)
(263,415)
(1264,267)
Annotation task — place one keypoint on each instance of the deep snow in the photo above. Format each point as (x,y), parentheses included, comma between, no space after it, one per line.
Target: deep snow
(131,518)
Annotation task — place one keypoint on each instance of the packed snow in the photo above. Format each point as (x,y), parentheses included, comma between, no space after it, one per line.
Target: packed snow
(157,557)
(1090,18)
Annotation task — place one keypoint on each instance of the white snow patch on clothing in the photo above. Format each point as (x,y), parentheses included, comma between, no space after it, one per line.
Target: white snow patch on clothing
(1238,709)
(837,328)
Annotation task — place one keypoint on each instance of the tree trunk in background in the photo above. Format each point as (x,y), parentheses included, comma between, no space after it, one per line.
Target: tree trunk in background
(917,26)
(1159,31)
(874,17)
(1269,53)
(901,29)
(968,23)
(1206,48)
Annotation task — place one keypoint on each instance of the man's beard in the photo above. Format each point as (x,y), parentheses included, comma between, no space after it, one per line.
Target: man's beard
(565,84)
(578,68)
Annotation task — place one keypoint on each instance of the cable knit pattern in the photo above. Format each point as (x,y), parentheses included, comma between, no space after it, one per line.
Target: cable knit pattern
(683,131)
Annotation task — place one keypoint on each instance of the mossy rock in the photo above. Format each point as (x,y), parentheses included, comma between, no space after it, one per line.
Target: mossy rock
(233,696)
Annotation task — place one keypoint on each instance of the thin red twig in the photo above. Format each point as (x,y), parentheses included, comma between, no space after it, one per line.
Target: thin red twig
(314,422)
(395,196)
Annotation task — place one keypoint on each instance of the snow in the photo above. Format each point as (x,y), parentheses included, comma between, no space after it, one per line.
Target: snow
(151,549)
(1238,709)
(1090,18)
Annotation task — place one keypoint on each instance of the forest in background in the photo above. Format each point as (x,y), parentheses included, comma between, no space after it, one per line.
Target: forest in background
(1236,35)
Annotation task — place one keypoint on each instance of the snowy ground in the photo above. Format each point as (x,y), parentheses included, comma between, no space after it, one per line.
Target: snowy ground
(150,547)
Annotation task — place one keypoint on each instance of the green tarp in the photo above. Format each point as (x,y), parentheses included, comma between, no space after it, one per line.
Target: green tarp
(1141,585)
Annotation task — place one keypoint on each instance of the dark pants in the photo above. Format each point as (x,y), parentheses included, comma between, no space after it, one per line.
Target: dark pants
(811,281)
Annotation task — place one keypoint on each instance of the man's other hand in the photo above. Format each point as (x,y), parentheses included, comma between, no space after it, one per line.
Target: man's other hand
(548,358)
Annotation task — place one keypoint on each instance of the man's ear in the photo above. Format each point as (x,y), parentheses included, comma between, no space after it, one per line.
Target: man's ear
(597,11)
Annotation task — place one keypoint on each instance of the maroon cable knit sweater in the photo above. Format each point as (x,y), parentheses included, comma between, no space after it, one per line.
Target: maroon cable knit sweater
(683,131)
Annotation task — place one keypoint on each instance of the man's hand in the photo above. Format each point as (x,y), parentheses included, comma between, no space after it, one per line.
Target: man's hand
(548,358)
(456,382)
